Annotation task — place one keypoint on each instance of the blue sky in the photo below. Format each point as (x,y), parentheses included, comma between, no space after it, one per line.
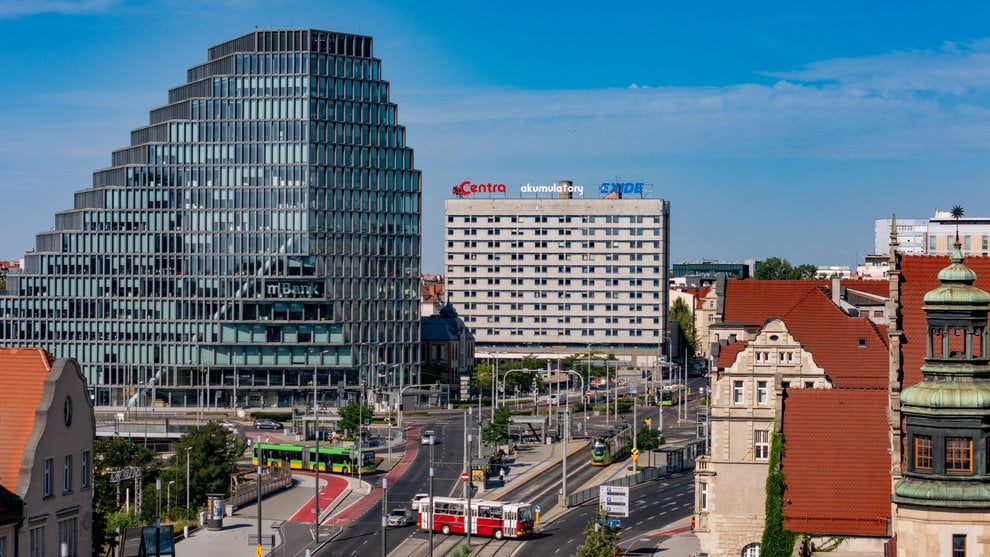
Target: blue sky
(773,128)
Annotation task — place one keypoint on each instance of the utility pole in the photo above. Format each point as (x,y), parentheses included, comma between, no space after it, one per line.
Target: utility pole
(430,514)
(563,476)
(316,467)
(188,450)
(466,449)
(384,512)
(467,513)
(259,549)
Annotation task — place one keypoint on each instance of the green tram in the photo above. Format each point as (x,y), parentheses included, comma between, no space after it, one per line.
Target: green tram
(606,449)
(332,459)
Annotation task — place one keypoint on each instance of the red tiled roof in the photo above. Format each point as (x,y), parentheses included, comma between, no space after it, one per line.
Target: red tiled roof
(919,274)
(755,301)
(876,287)
(727,354)
(850,349)
(22,377)
(699,298)
(836,461)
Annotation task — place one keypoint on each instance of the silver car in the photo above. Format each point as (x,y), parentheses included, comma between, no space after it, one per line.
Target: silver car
(399,517)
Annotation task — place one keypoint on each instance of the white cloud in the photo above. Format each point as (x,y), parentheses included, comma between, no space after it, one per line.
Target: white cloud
(17,8)
(917,104)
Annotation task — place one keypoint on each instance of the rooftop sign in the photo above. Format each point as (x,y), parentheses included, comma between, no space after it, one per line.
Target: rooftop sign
(620,187)
(467,188)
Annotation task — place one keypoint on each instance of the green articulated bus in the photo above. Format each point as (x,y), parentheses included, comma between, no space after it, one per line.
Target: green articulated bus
(340,460)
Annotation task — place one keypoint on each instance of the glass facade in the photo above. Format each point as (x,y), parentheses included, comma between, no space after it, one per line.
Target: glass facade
(263,229)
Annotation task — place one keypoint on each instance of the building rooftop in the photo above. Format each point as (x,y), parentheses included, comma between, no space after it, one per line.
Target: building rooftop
(826,468)
(22,378)
(728,353)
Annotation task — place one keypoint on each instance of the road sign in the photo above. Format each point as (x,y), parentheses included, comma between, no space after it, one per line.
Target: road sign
(635,455)
(536,507)
(614,500)
(648,422)
(633,387)
(465,477)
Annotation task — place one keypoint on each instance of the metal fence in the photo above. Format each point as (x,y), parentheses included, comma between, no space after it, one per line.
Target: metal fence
(247,492)
(678,457)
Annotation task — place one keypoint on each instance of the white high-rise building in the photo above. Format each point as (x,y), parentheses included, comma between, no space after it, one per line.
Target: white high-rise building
(560,276)
(934,236)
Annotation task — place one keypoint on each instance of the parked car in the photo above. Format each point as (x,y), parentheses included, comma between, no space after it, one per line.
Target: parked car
(265,423)
(399,517)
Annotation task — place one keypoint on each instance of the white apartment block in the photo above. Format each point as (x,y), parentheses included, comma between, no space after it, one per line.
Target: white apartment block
(560,276)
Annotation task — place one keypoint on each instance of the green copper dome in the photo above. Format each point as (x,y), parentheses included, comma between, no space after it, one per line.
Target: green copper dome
(964,397)
(957,285)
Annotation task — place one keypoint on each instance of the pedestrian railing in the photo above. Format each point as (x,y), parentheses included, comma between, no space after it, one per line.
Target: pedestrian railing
(642,476)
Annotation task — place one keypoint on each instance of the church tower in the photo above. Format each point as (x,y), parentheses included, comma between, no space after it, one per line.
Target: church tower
(943,499)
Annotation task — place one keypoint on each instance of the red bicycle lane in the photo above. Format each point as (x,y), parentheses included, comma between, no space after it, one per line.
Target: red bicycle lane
(335,486)
(358,508)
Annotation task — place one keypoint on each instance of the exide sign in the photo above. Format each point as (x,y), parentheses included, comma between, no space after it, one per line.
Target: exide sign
(467,188)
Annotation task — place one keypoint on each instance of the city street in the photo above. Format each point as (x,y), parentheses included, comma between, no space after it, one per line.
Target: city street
(361,536)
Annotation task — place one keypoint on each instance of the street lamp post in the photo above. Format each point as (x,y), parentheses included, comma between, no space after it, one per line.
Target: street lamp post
(168,496)
(316,466)
(188,450)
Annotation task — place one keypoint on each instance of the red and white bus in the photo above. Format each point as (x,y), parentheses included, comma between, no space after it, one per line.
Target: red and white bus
(493,519)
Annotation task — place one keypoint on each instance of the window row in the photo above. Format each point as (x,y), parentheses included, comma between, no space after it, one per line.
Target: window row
(564,219)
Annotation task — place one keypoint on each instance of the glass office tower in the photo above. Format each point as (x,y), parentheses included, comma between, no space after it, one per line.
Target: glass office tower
(262,231)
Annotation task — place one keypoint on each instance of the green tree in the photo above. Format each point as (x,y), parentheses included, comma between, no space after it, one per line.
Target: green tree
(213,452)
(682,314)
(353,415)
(599,540)
(775,268)
(481,379)
(497,430)
(646,439)
(111,454)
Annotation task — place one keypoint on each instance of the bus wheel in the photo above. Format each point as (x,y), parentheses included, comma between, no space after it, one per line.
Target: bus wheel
(445,529)
(498,534)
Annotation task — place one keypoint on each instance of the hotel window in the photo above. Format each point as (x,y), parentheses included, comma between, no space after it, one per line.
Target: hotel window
(923,453)
(761,392)
(958,545)
(737,392)
(761,444)
(958,455)
(704,496)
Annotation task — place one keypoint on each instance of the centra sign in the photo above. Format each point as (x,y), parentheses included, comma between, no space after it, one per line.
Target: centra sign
(621,187)
(467,188)
(286,289)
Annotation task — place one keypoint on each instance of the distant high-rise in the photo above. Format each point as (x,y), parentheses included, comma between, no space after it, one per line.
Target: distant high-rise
(263,228)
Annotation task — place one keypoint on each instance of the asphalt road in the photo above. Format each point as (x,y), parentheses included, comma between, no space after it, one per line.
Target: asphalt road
(653,505)
(362,536)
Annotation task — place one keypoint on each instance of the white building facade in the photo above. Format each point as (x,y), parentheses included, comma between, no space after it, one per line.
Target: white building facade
(934,236)
(560,276)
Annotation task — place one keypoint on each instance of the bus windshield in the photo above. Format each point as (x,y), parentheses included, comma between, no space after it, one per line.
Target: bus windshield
(525,513)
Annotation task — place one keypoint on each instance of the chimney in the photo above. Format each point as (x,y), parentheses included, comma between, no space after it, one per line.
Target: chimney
(837,291)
